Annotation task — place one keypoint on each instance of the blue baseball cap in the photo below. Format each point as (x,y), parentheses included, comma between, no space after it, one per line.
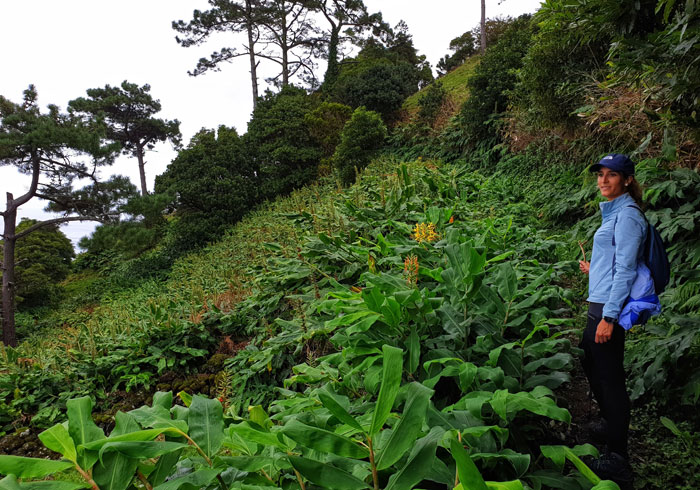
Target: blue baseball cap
(615,161)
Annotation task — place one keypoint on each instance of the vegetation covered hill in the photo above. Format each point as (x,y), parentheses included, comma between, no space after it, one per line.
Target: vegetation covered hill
(415,328)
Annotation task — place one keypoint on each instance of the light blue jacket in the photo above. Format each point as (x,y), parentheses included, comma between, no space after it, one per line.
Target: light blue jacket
(614,288)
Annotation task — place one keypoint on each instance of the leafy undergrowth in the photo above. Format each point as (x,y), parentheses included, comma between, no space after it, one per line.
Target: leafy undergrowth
(379,331)
(390,325)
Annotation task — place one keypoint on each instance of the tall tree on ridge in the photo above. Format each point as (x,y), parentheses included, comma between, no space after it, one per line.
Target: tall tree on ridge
(349,17)
(50,148)
(289,27)
(224,16)
(128,114)
(483,26)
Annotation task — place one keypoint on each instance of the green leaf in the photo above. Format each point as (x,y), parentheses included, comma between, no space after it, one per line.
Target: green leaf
(163,468)
(114,471)
(139,435)
(9,483)
(158,418)
(391,311)
(26,468)
(558,454)
(606,485)
(163,399)
(248,433)
(419,462)
(82,428)
(330,401)
(469,474)
(392,368)
(323,440)
(505,485)
(413,350)
(206,423)
(258,415)
(51,485)
(197,479)
(142,449)
(507,281)
(185,397)
(325,475)
(407,429)
(58,439)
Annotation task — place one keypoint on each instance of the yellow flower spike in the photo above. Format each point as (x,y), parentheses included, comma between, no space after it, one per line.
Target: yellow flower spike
(425,232)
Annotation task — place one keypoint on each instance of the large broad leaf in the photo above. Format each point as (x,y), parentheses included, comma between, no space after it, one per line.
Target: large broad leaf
(163,468)
(392,367)
(520,462)
(325,475)
(248,433)
(163,399)
(26,468)
(408,427)
(323,440)
(206,423)
(507,405)
(332,402)
(413,343)
(158,417)
(419,462)
(137,436)
(114,471)
(558,453)
(468,473)
(58,439)
(197,479)
(507,281)
(82,428)
(142,449)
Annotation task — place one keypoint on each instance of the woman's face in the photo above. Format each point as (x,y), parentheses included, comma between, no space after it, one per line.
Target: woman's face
(611,183)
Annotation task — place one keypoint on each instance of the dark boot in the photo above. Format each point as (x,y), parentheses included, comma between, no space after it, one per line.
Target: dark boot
(612,466)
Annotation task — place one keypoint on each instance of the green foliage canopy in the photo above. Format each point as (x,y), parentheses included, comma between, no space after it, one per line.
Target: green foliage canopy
(212,183)
(360,140)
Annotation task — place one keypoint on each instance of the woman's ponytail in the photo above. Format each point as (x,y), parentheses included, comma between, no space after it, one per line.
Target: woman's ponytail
(634,189)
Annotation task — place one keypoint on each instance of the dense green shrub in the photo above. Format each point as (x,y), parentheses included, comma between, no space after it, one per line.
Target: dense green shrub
(431,102)
(279,142)
(362,136)
(379,85)
(325,125)
(212,183)
(492,82)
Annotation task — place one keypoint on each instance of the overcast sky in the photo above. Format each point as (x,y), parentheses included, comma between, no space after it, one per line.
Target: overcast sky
(65,47)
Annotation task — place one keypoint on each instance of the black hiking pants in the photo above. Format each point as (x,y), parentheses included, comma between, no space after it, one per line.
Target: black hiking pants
(604,368)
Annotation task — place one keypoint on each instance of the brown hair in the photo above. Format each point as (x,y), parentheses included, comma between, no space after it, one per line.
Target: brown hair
(635,190)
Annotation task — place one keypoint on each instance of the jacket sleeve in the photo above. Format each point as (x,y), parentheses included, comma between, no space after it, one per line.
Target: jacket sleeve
(630,232)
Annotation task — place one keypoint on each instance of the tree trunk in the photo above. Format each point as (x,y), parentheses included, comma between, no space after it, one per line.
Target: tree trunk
(333,70)
(251,52)
(285,48)
(8,274)
(483,26)
(142,171)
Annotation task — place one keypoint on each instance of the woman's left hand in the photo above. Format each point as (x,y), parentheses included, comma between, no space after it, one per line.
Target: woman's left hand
(604,332)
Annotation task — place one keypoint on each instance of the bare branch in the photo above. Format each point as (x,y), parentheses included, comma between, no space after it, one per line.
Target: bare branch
(56,221)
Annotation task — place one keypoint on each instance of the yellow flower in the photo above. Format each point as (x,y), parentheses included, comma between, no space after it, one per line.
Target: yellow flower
(425,232)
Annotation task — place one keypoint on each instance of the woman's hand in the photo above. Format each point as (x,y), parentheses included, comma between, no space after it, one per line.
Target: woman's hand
(584,266)
(603,332)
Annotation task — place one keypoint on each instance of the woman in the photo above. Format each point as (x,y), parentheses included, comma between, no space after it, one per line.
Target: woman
(618,248)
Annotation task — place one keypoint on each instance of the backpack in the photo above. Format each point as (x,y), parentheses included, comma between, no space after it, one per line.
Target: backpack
(655,255)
